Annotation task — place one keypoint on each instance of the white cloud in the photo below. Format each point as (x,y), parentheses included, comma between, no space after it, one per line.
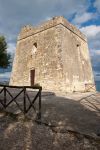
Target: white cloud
(95,52)
(82,18)
(96,75)
(5,76)
(90,31)
(93,34)
(11,47)
(95,55)
(97,4)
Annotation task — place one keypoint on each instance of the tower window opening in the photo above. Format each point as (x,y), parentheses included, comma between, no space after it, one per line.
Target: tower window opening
(34,48)
(35,44)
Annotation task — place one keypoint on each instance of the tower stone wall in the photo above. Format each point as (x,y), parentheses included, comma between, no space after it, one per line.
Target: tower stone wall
(58,53)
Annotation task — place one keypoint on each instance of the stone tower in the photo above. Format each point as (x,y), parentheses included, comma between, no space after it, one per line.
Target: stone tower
(55,55)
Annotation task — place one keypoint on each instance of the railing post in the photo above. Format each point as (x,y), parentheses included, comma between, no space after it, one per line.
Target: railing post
(24,102)
(39,114)
(5,100)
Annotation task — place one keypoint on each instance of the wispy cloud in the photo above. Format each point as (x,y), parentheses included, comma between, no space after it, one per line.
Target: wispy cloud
(82,18)
(5,76)
(90,31)
(11,47)
(97,5)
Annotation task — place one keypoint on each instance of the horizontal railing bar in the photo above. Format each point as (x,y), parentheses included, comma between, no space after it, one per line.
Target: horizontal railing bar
(30,87)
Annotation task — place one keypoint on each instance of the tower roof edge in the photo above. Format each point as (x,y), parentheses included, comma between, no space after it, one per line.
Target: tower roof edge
(30,30)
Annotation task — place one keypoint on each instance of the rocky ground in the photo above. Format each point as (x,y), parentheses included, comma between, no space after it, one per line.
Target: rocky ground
(69,122)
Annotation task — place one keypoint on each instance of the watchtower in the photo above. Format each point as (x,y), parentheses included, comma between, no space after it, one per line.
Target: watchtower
(55,55)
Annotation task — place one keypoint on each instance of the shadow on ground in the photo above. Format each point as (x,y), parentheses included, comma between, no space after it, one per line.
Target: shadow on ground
(68,123)
(82,114)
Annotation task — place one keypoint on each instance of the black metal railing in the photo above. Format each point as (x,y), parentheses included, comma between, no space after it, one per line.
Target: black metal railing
(6,91)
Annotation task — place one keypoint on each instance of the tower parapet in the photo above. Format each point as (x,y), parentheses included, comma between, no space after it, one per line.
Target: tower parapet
(30,30)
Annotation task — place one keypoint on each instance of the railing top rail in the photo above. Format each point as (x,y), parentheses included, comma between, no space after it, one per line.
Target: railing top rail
(30,87)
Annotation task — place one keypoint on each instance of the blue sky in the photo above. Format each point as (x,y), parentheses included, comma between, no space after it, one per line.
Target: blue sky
(85,14)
